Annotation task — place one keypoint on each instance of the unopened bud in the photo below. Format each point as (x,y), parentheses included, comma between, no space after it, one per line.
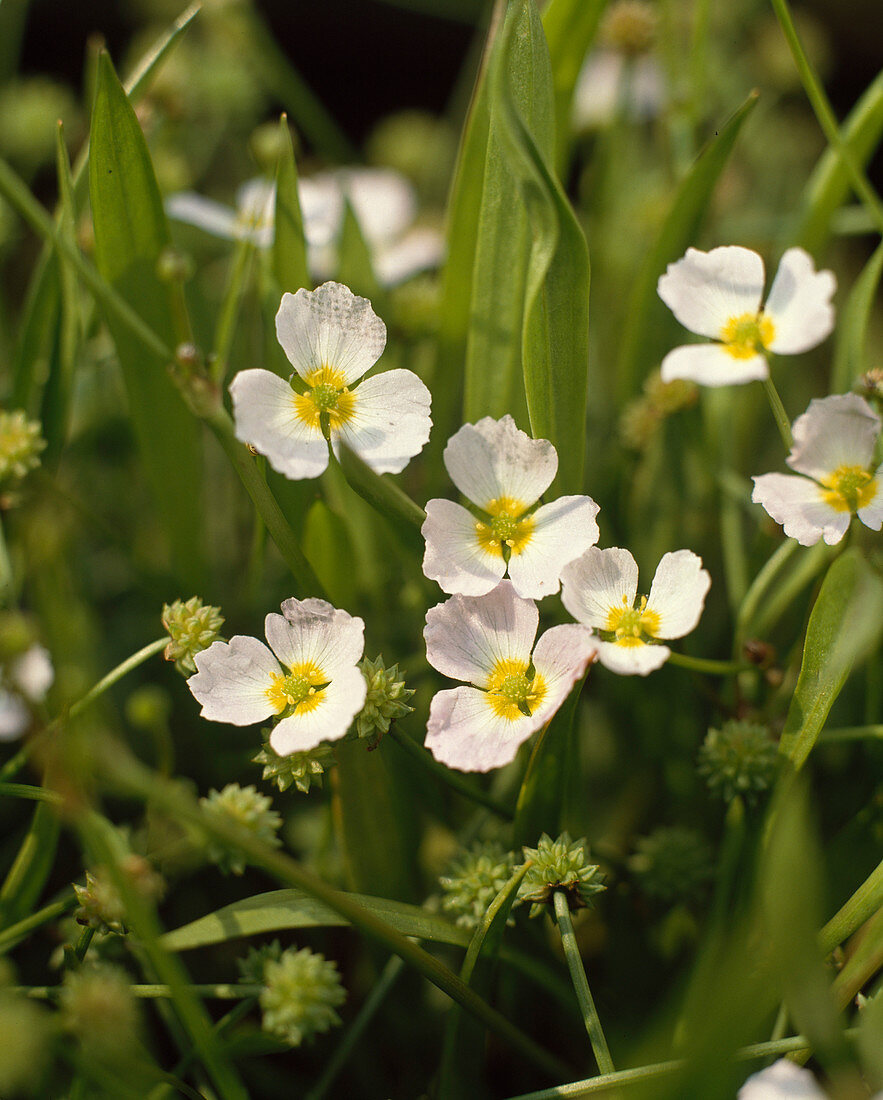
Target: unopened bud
(192,627)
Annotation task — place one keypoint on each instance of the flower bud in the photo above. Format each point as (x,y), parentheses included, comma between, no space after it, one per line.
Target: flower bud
(248,807)
(474,879)
(560,864)
(192,627)
(739,759)
(301,992)
(386,699)
(98,1005)
(20,446)
(630,26)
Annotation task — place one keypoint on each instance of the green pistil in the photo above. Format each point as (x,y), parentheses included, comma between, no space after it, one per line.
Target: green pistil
(324,396)
(505,528)
(746,333)
(629,625)
(518,690)
(850,486)
(296,688)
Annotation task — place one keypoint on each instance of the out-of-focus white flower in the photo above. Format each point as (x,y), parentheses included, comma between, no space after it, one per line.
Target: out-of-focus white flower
(383,202)
(833,452)
(26,680)
(331,337)
(503,472)
(606,76)
(783,1080)
(718,294)
(309,676)
(600,590)
(487,641)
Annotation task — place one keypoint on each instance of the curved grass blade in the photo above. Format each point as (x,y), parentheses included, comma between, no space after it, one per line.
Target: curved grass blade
(289,243)
(645,330)
(404,515)
(845,626)
(850,359)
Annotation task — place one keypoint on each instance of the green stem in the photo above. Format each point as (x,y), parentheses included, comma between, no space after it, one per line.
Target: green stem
(26,790)
(230,309)
(453,779)
(704,664)
(780,598)
(155,990)
(15,933)
(84,941)
(779,414)
(826,118)
(7,581)
(581,984)
(117,674)
(277,525)
(851,916)
(759,587)
(851,733)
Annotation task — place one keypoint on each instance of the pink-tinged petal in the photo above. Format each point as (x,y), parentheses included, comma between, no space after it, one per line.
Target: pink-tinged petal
(632,660)
(705,290)
(232,681)
(799,304)
(454,557)
(712,365)
(330,327)
(390,422)
(467,635)
(797,503)
(872,514)
(463,731)
(420,250)
(834,431)
(561,657)
(678,593)
(341,701)
(597,581)
(265,416)
(213,217)
(494,458)
(312,630)
(562,531)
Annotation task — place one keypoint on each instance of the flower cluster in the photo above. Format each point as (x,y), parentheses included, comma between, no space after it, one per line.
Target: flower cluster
(474,879)
(192,626)
(301,992)
(20,446)
(740,758)
(247,807)
(303,769)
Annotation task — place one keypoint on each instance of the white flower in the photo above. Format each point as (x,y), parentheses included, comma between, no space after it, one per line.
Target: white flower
(310,678)
(26,680)
(503,472)
(783,1080)
(331,338)
(603,79)
(834,442)
(251,220)
(487,640)
(600,589)
(718,294)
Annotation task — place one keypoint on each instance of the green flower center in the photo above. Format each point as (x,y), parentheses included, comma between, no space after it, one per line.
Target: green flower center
(632,626)
(849,488)
(325,396)
(745,334)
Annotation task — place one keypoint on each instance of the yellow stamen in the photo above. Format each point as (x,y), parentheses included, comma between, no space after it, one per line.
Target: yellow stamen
(745,335)
(510,694)
(302,688)
(328,394)
(507,527)
(632,626)
(849,488)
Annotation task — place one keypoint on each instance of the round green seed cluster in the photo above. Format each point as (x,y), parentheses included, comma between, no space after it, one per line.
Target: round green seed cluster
(387,699)
(192,627)
(630,26)
(739,759)
(20,446)
(248,807)
(301,992)
(560,864)
(672,864)
(98,1006)
(302,769)
(474,879)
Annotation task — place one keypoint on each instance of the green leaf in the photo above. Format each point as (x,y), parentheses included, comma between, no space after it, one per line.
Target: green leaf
(644,339)
(354,262)
(289,243)
(130,233)
(845,626)
(850,359)
(555,331)
(282,909)
(828,186)
(404,515)
(27,877)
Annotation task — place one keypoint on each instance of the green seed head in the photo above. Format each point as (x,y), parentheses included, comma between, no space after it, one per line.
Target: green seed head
(672,864)
(740,758)
(560,864)
(303,769)
(387,699)
(192,627)
(301,992)
(246,806)
(474,879)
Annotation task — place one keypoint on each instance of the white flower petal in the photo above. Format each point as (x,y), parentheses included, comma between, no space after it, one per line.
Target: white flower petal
(678,593)
(265,417)
(597,581)
(783,1080)
(332,327)
(797,503)
(712,365)
(834,431)
(705,290)
(213,217)
(341,701)
(799,304)
(563,530)
(561,656)
(32,673)
(390,422)
(872,514)
(321,207)
(464,732)
(494,458)
(632,660)
(313,631)
(14,716)
(383,201)
(256,212)
(420,250)
(466,635)
(233,679)
(454,558)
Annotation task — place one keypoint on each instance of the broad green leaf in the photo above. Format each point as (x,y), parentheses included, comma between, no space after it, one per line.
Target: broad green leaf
(289,243)
(644,333)
(828,186)
(384,495)
(555,330)
(130,233)
(571,27)
(845,626)
(850,359)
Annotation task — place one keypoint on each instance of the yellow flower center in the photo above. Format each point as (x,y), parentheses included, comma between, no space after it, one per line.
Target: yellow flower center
(632,626)
(302,688)
(745,335)
(849,488)
(328,395)
(508,531)
(511,693)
